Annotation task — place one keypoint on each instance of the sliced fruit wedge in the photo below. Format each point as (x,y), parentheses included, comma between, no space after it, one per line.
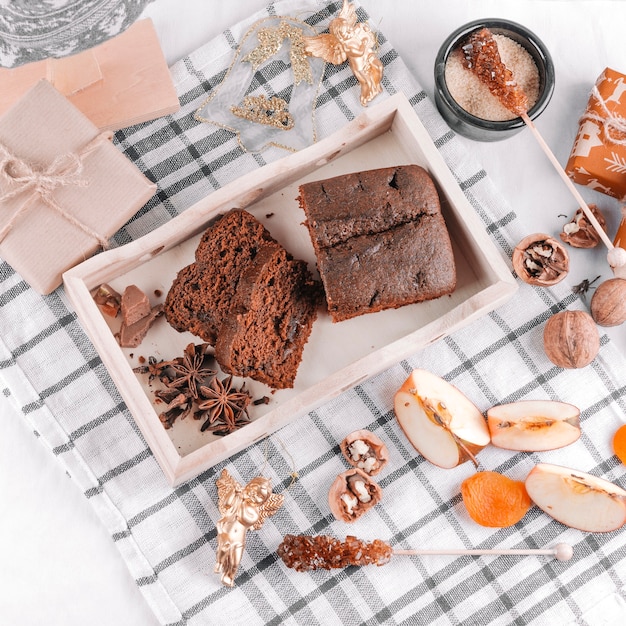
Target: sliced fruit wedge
(577,499)
(441,423)
(533,425)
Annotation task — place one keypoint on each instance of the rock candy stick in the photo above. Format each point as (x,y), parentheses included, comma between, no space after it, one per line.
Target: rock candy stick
(483,59)
(307,553)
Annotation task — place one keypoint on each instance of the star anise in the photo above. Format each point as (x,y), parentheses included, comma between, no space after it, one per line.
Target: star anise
(192,369)
(223,407)
(179,405)
(153,368)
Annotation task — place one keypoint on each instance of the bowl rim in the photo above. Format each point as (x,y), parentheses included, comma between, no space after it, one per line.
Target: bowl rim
(522,35)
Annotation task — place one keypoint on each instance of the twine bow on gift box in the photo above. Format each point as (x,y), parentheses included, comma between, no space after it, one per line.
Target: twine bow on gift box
(23,177)
(613,126)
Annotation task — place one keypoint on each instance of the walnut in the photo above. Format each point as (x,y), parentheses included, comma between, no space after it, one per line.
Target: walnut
(579,232)
(366,451)
(352,494)
(608,304)
(571,339)
(539,259)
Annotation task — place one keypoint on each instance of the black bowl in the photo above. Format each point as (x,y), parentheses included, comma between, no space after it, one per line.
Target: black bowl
(477,128)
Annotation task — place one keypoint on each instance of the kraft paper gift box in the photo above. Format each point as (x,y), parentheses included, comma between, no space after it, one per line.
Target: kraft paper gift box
(64,187)
(122,82)
(598,157)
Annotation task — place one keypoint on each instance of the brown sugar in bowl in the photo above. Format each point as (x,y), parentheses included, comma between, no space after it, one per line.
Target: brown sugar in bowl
(479,128)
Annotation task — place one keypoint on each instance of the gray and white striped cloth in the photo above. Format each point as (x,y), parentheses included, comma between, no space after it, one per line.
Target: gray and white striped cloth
(167,535)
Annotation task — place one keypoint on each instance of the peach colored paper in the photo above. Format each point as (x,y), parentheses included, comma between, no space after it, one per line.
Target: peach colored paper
(122,82)
(598,156)
(43,154)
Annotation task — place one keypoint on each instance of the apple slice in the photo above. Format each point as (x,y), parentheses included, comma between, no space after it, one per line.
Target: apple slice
(442,424)
(577,499)
(533,425)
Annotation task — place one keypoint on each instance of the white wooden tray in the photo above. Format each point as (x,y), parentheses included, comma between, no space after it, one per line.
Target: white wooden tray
(337,356)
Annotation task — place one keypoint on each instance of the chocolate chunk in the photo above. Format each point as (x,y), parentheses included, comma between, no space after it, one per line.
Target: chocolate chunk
(135,305)
(131,335)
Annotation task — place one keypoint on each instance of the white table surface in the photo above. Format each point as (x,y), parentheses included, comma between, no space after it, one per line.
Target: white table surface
(58,565)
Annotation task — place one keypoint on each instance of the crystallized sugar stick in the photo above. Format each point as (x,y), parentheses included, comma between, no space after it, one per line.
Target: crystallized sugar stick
(483,59)
(307,553)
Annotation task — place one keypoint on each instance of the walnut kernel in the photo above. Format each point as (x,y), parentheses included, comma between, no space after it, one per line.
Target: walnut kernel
(364,450)
(579,232)
(541,260)
(353,493)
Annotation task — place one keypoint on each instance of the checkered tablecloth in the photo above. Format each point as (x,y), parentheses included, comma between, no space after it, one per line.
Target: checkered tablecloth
(167,535)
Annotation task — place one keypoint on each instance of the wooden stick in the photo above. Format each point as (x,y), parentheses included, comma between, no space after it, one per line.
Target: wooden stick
(561,551)
(567,180)
(508,92)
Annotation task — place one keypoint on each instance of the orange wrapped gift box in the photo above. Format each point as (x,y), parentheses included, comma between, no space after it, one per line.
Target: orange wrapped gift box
(64,187)
(598,157)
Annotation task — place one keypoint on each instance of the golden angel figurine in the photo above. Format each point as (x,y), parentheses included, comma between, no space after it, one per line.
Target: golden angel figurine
(354,41)
(242,508)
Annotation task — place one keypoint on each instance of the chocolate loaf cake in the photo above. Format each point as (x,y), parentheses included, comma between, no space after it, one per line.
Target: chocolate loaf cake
(270,319)
(380,240)
(248,297)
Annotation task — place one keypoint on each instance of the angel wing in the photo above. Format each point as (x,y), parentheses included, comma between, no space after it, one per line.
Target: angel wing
(227,487)
(326,47)
(268,508)
(348,13)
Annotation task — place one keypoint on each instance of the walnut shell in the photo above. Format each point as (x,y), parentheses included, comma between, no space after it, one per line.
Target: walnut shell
(571,339)
(608,304)
(348,500)
(541,260)
(579,232)
(371,457)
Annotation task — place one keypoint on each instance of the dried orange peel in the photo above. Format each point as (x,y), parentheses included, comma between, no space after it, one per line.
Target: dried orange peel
(494,500)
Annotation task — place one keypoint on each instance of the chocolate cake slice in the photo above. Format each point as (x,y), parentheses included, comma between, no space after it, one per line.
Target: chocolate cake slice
(249,298)
(380,239)
(270,319)
(201,294)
